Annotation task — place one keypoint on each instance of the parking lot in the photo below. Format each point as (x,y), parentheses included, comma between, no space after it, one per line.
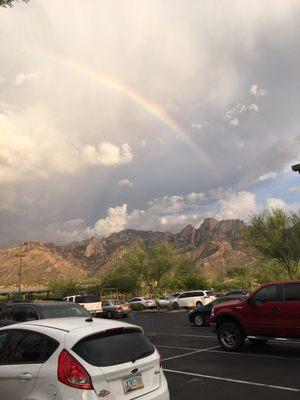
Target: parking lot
(196,366)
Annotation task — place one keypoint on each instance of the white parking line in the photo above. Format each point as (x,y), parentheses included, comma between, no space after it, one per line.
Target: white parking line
(253,355)
(219,378)
(189,353)
(230,353)
(176,347)
(181,334)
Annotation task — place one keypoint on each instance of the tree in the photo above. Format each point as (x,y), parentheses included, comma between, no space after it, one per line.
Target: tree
(155,268)
(159,261)
(9,3)
(276,235)
(62,288)
(119,277)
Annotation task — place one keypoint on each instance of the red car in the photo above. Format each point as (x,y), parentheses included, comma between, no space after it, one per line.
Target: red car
(271,311)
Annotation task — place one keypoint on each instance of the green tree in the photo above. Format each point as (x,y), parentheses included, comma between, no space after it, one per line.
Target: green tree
(62,288)
(159,261)
(9,3)
(119,277)
(269,270)
(276,235)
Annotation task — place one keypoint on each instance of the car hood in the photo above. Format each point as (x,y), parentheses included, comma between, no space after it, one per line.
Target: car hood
(228,303)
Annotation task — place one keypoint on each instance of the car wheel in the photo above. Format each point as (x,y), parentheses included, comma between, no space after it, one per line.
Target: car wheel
(199,320)
(258,341)
(109,314)
(230,336)
(199,304)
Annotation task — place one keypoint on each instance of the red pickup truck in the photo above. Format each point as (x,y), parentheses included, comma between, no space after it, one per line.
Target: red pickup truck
(272,311)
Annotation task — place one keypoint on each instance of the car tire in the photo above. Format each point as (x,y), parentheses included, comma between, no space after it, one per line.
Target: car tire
(199,320)
(109,314)
(199,304)
(258,341)
(230,336)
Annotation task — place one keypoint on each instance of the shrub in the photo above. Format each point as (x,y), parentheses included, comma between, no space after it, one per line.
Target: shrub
(137,307)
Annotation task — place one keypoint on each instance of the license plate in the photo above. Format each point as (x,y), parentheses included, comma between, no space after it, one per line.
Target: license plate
(132,382)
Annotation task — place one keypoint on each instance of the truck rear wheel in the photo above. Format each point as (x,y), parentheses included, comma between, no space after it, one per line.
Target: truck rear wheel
(230,336)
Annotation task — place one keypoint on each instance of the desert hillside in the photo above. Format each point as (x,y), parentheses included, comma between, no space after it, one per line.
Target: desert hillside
(216,245)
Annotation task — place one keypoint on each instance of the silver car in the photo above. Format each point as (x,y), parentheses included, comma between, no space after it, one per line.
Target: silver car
(147,303)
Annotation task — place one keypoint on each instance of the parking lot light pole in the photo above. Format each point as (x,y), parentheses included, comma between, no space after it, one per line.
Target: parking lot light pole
(296,168)
(20,255)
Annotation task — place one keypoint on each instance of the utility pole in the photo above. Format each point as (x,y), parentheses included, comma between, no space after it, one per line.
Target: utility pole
(20,255)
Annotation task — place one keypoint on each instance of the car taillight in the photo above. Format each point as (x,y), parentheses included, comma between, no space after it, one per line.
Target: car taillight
(119,308)
(71,373)
(160,363)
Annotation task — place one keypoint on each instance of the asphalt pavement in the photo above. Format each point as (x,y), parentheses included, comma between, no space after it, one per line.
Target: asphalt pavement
(195,365)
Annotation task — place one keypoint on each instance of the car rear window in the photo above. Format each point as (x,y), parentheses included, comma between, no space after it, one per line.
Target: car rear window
(114,347)
(68,311)
(87,299)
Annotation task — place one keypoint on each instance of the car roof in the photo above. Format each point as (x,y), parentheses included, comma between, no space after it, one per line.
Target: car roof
(279,282)
(74,329)
(43,304)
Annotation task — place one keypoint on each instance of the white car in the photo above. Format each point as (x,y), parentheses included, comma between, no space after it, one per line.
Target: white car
(194,298)
(147,303)
(90,302)
(79,358)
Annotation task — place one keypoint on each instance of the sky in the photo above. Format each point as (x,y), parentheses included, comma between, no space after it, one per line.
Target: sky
(145,114)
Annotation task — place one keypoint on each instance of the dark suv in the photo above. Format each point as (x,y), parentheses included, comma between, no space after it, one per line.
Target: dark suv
(30,311)
(272,311)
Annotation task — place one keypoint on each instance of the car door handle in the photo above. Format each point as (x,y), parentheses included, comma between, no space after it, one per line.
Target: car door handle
(25,376)
(275,309)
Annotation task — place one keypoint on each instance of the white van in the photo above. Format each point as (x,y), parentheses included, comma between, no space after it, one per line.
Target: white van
(90,302)
(194,298)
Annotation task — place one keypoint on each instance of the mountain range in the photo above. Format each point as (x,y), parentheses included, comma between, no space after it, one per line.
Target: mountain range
(216,246)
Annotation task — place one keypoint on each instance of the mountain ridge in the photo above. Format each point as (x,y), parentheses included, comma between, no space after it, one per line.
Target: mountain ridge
(215,245)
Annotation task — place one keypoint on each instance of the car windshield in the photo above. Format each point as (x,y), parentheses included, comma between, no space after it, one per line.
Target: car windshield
(61,312)
(116,302)
(115,347)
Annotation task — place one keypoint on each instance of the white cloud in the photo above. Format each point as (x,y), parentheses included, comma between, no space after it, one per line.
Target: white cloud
(234,114)
(31,147)
(116,221)
(237,205)
(268,175)
(256,91)
(273,203)
(107,154)
(234,122)
(21,78)
(295,189)
(197,126)
(125,182)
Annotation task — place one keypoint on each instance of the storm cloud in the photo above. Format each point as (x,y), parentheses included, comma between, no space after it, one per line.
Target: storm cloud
(145,114)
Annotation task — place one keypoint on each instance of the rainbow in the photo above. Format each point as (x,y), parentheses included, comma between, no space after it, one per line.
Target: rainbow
(137,98)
